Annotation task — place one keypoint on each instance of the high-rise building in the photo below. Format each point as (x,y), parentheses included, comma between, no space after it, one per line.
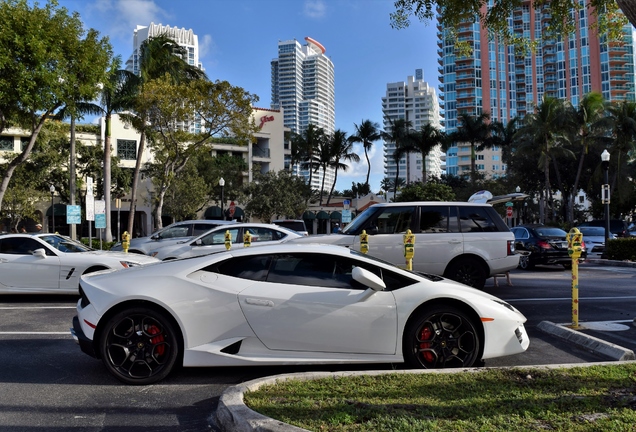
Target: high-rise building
(496,79)
(416,102)
(303,87)
(184,38)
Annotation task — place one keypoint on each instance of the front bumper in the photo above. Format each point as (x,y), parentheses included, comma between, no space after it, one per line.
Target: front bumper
(80,338)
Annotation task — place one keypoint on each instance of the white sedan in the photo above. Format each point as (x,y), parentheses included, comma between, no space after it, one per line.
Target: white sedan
(214,240)
(287,304)
(53,264)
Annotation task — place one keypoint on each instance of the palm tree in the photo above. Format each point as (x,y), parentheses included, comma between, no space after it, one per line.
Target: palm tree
(622,123)
(544,130)
(305,145)
(426,140)
(477,131)
(589,123)
(400,132)
(159,56)
(366,133)
(324,154)
(342,151)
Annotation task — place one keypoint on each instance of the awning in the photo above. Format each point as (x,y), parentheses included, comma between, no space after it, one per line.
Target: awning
(309,215)
(60,210)
(335,215)
(213,212)
(322,215)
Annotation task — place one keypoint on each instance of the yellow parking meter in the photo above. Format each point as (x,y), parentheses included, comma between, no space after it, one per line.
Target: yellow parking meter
(575,240)
(228,240)
(247,239)
(125,241)
(364,241)
(409,249)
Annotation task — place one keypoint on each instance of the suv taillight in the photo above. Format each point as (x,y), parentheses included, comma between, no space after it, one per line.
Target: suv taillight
(511,247)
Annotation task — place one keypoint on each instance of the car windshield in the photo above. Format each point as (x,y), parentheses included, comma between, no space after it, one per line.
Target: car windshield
(354,227)
(551,232)
(592,231)
(65,244)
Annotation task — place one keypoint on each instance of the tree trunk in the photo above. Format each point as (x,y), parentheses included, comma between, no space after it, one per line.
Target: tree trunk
(109,234)
(629,9)
(366,154)
(135,184)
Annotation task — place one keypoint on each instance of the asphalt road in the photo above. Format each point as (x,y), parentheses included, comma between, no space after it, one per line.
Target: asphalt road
(48,384)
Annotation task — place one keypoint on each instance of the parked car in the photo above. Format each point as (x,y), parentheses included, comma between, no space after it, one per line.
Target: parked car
(53,264)
(466,242)
(617,226)
(293,224)
(214,240)
(173,233)
(540,244)
(287,304)
(594,238)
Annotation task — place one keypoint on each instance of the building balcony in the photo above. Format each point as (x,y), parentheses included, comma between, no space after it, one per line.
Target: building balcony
(440,61)
(464,76)
(549,59)
(619,59)
(466,65)
(465,95)
(552,78)
(440,43)
(465,85)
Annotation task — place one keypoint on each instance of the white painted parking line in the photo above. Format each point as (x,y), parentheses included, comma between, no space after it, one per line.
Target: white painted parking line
(36,307)
(36,333)
(569,299)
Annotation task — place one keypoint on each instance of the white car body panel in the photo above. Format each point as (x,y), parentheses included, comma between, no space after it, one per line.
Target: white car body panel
(56,272)
(318,325)
(190,248)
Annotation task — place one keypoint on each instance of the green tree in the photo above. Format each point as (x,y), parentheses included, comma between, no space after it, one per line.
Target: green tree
(477,131)
(494,16)
(275,194)
(48,61)
(426,139)
(225,110)
(187,195)
(418,191)
(400,133)
(306,145)
(543,134)
(158,56)
(622,125)
(367,132)
(226,166)
(342,152)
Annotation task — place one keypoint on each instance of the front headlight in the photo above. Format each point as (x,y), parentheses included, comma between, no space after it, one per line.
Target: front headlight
(127,264)
(506,305)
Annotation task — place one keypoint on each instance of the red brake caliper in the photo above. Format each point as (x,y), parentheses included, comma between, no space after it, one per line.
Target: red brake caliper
(153,330)
(426,334)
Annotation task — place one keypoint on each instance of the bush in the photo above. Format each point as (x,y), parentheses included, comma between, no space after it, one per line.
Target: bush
(105,245)
(621,249)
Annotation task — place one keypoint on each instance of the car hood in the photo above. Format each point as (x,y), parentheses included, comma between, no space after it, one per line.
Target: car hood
(138,258)
(334,239)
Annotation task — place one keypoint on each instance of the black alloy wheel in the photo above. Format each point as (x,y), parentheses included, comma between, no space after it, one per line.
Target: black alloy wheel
(525,263)
(468,271)
(139,346)
(444,337)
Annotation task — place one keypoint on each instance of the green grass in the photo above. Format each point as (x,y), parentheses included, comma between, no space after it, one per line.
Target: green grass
(592,398)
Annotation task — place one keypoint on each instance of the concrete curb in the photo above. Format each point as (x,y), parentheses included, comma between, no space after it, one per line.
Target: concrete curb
(591,343)
(612,263)
(232,415)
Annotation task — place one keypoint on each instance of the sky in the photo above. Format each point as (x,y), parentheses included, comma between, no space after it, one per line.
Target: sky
(239,38)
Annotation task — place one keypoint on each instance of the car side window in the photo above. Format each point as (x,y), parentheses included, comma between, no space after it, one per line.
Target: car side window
(436,219)
(250,267)
(476,219)
(200,228)
(392,220)
(262,234)
(218,237)
(21,246)
(176,231)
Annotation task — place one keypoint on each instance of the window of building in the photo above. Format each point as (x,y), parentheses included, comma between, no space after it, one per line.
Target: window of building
(6,143)
(127,149)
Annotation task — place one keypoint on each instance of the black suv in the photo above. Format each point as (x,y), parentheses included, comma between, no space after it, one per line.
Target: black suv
(617,226)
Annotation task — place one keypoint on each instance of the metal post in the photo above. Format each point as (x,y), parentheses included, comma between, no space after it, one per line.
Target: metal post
(222,184)
(605,194)
(52,189)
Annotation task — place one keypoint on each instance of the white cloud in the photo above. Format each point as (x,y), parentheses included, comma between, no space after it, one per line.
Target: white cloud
(125,15)
(357,172)
(206,45)
(314,9)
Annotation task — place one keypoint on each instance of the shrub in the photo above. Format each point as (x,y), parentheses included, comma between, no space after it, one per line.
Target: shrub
(621,249)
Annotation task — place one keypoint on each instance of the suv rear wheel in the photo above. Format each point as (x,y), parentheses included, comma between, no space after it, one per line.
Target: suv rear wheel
(469,271)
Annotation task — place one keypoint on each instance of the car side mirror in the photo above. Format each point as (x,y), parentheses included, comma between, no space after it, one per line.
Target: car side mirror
(366,278)
(155,237)
(198,242)
(40,253)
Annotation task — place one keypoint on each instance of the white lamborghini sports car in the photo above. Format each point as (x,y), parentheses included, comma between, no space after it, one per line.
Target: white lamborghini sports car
(287,304)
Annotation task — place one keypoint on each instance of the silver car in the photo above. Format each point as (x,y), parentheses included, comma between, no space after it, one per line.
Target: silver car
(172,234)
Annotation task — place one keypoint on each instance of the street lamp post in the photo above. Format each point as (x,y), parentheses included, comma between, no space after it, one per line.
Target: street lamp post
(518,190)
(222,184)
(605,193)
(52,189)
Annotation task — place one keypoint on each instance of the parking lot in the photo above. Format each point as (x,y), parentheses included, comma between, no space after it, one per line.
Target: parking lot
(48,384)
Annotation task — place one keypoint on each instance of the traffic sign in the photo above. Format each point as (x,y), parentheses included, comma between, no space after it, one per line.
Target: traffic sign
(509,212)
(73,214)
(232,209)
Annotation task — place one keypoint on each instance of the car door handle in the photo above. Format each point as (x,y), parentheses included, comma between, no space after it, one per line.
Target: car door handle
(259,302)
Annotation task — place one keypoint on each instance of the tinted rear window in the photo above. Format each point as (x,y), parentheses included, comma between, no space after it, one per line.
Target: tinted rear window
(292,225)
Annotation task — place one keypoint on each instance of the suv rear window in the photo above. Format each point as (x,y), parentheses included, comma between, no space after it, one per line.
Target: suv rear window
(292,225)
